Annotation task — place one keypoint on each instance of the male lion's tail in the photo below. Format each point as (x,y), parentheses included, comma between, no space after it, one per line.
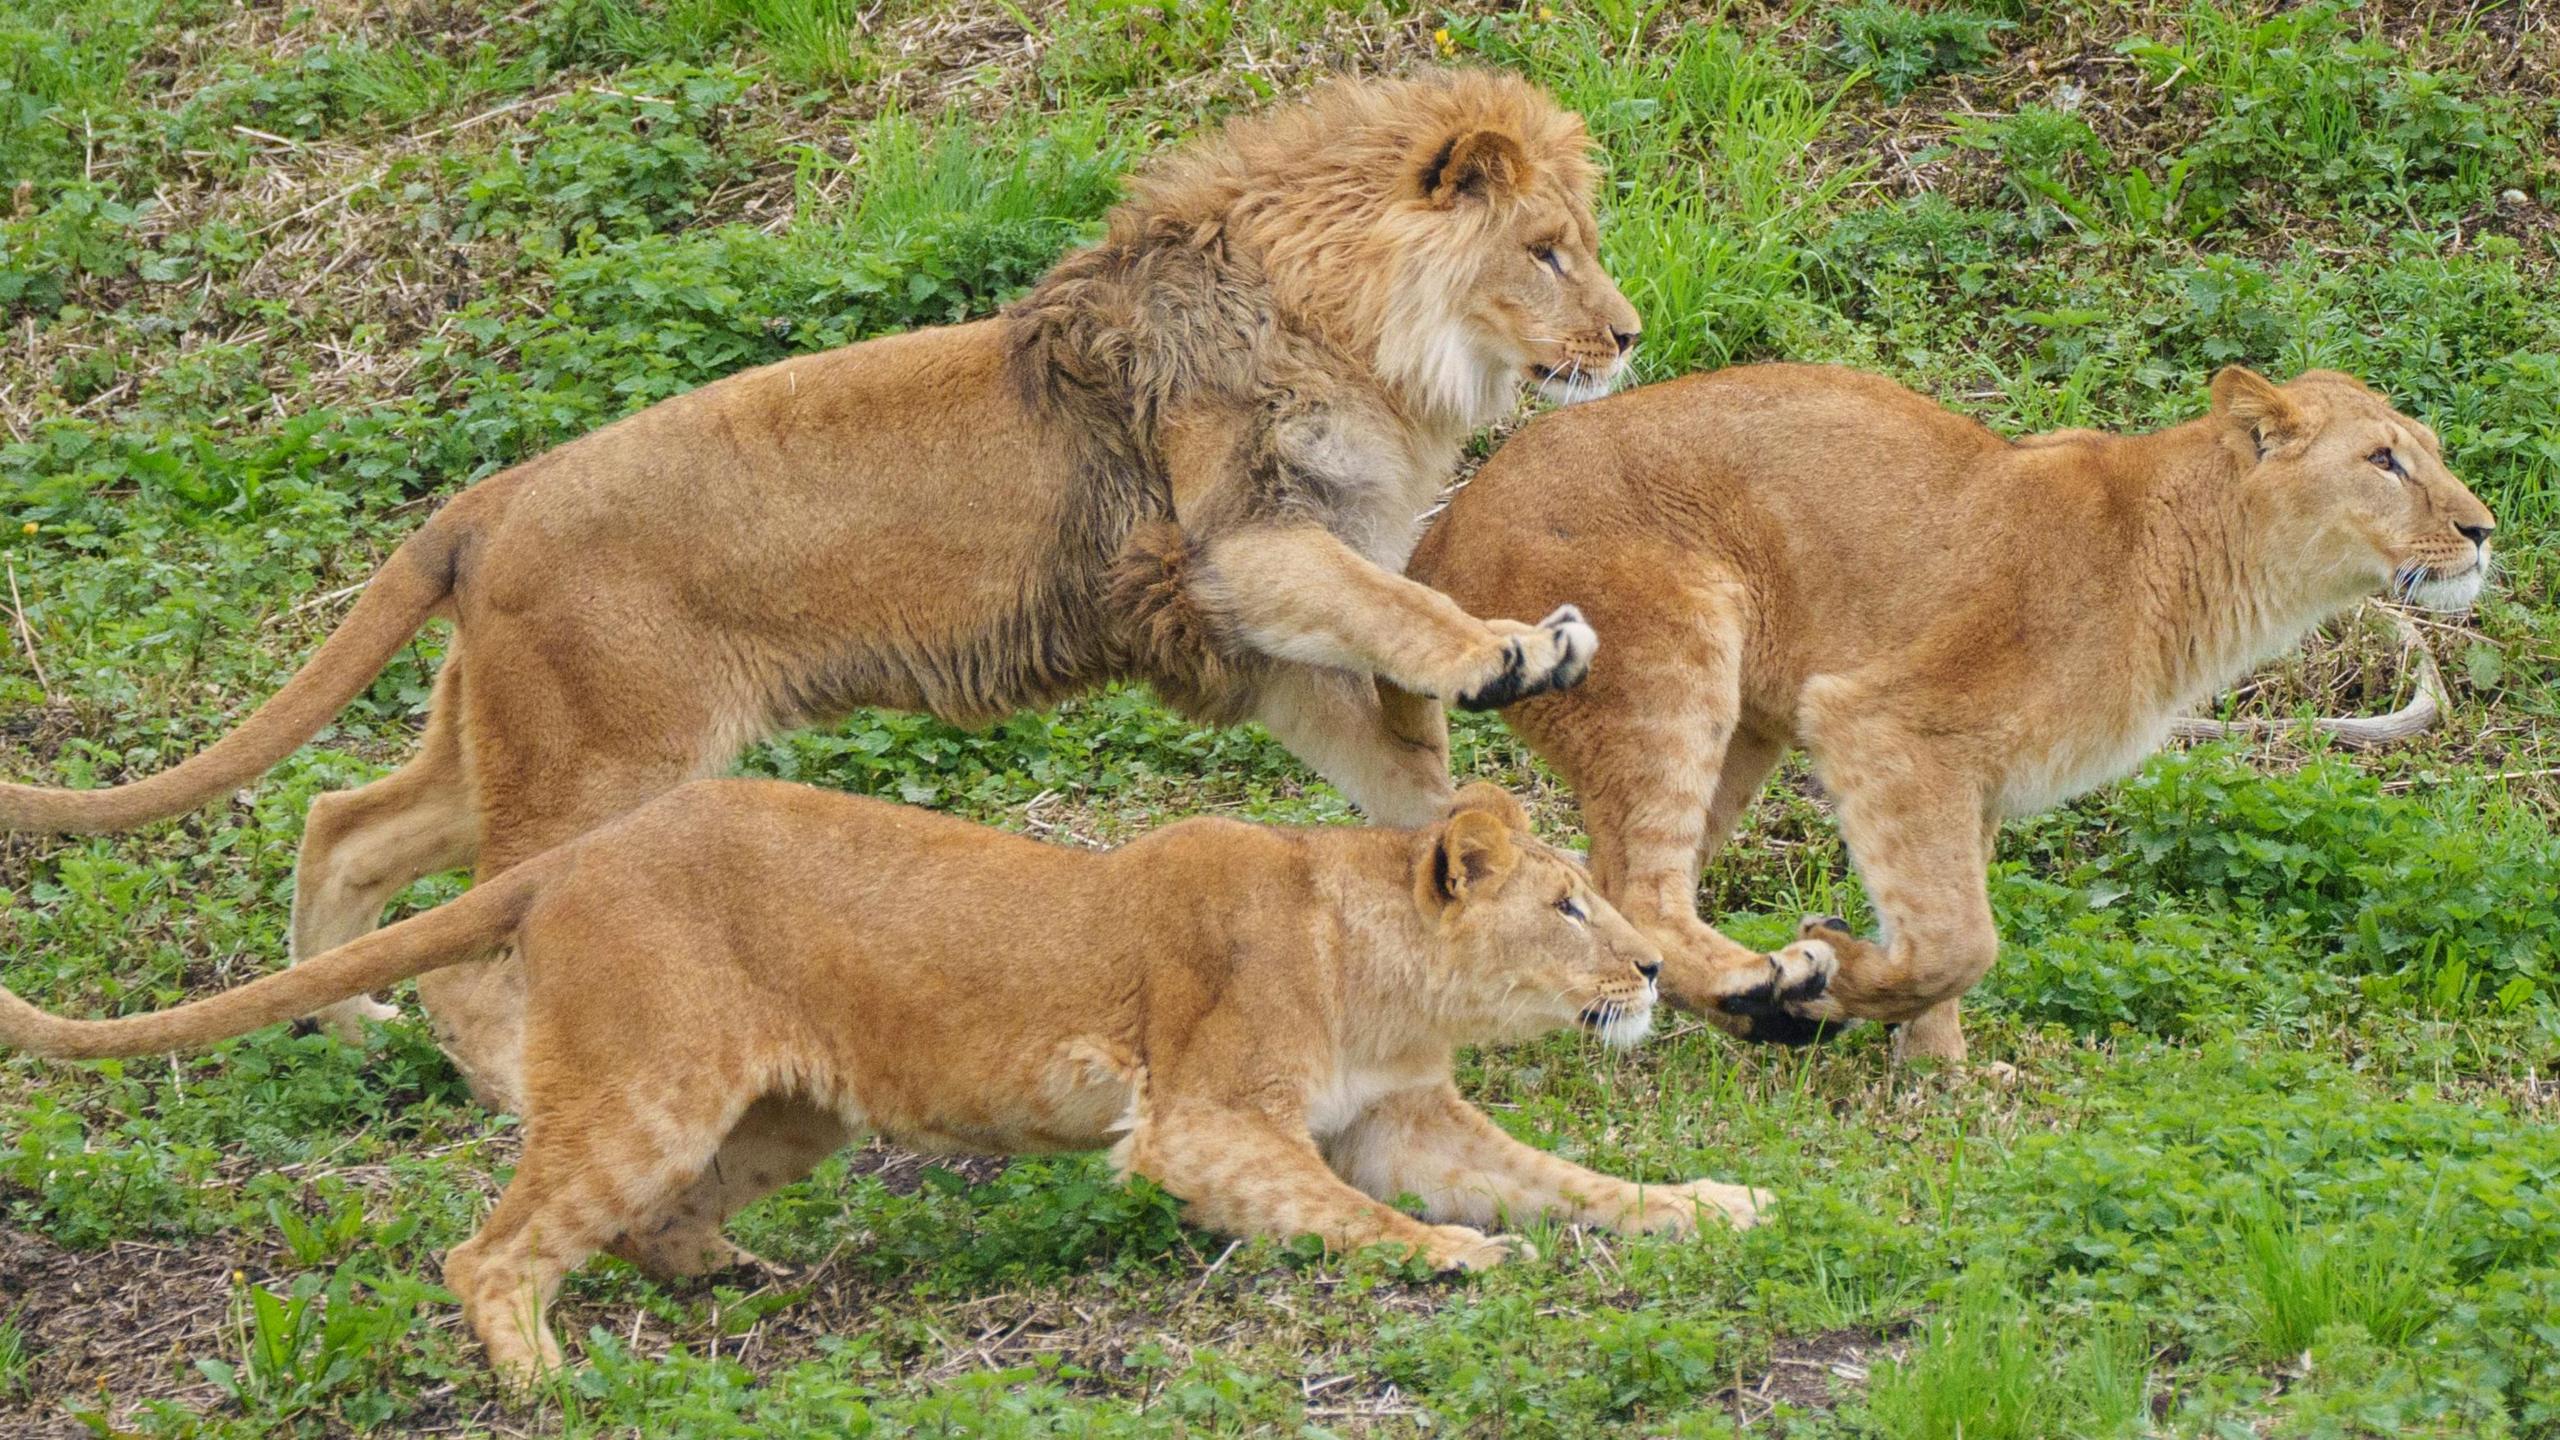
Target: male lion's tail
(417,578)
(482,920)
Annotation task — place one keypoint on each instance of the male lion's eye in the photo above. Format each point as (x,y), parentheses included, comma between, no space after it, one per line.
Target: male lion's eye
(1572,909)
(1546,255)
(2386,460)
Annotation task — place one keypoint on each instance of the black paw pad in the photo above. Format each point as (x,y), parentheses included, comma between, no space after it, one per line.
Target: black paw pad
(1505,687)
(1811,987)
(1832,923)
(1790,1030)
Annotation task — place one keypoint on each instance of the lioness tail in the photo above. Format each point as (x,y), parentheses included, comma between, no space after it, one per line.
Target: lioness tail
(417,577)
(464,929)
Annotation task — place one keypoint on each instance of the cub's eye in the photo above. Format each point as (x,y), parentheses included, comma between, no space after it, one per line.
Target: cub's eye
(2386,460)
(1546,255)
(1572,910)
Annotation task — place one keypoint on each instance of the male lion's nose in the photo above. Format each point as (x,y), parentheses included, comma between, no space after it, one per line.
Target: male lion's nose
(1626,340)
(2476,534)
(1648,968)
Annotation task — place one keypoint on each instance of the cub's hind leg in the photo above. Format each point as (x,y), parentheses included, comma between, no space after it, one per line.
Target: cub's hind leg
(556,750)
(362,847)
(1432,1144)
(778,1141)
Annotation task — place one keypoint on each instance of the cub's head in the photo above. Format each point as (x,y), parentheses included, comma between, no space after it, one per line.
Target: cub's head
(1522,943)
(1440,226)
(2357,492)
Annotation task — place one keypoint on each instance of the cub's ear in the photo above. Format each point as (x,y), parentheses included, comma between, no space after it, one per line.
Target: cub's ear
(1470,856)
(1486,165)
(1486,798)
(2254,408)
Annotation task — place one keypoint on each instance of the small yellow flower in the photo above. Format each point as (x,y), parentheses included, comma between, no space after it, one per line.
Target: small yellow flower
(1440,37)
(1546,13)
(31,527)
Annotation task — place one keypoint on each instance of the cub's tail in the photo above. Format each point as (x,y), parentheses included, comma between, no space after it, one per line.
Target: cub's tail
(417,578)
(468,928)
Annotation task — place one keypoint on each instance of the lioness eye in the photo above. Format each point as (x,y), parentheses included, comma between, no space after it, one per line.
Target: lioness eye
(1546,255)
(1571,909)
(2385,459)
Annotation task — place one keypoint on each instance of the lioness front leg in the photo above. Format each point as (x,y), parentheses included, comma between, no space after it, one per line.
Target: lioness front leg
(1240,1172)
(1432,1144)
(1297,592)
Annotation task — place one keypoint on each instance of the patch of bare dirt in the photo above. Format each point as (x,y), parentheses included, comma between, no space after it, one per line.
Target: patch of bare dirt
(1811,1373)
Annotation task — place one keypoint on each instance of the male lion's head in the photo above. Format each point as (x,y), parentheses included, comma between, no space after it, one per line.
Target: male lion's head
(1522,943)
(1440,227)
(2355,491)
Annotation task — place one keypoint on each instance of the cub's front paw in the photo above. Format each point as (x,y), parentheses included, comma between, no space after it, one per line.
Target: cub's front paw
(1711,1200)
(1553,654)
(1459,1247)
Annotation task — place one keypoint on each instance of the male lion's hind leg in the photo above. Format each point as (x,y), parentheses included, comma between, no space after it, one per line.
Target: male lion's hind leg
(362,847)
(778,1141)
(1241,1173)
(1432,1144)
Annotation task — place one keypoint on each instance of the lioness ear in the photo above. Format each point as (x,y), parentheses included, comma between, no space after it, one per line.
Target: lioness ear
(1486,798)
(1473,854)
(1475,165)
(2254,407)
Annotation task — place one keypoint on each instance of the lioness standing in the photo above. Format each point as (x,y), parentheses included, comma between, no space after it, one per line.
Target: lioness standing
(735,980)
(1956,628)
(1193,455)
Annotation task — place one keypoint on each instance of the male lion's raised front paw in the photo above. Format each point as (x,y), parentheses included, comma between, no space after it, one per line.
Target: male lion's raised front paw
(1771,1009)
(1553,654)
(1460,1247)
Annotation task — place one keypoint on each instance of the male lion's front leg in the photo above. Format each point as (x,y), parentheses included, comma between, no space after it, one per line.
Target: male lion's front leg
(1432,1144)
(1240,1172)
(1385,750)
(1298,593)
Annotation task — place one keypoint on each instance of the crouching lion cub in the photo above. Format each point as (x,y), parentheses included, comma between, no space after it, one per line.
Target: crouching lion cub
(1957,628)
(733,981)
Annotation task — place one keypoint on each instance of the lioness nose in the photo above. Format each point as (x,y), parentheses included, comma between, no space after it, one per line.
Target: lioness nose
(1626,340)
(2476,534)
(1648,968)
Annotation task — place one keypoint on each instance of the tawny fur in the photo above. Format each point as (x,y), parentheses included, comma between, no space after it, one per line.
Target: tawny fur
(1957,629)
(735,980)
(1253,386)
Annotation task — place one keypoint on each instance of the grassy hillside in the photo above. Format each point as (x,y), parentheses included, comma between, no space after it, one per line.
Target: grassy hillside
(2278,1156)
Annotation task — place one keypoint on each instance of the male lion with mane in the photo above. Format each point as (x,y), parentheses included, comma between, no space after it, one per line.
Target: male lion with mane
(735,980)
(1956,627)
(1194,454)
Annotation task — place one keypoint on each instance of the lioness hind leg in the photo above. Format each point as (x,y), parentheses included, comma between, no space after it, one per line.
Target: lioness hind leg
(1296,592)
(779,1140)
(362,847)
(1432,1144)
(1916,836)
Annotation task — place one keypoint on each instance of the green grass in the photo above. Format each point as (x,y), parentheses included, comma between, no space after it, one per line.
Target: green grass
(2278,1157)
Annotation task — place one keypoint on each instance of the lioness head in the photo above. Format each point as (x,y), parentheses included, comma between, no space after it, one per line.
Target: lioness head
(1523,944)
(2356,489)
(1440,225)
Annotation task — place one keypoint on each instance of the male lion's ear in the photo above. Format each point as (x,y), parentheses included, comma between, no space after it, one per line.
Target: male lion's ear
(2252,405)
(1486,798)
(1472,855)
(1475,165)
